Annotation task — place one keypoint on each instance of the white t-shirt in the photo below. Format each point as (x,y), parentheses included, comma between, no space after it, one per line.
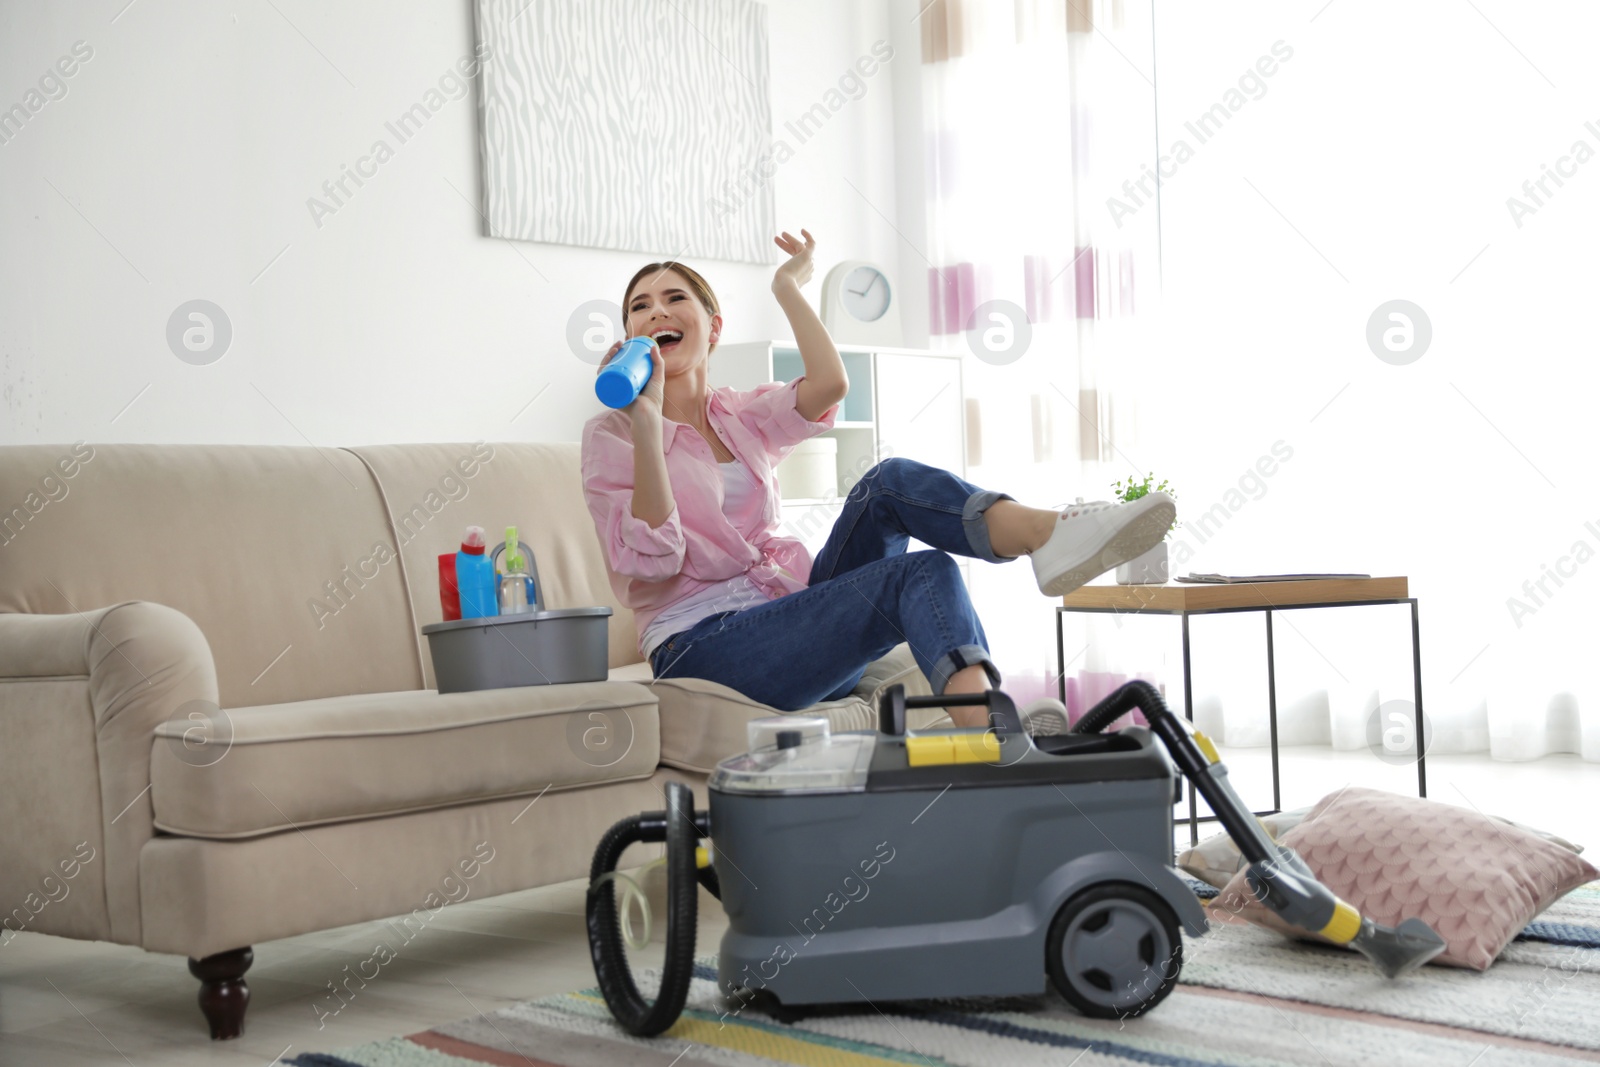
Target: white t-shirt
(733,594)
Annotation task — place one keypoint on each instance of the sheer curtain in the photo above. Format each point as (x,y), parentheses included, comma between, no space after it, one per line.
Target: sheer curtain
(1463,471)
(1035,113)
(1041,135)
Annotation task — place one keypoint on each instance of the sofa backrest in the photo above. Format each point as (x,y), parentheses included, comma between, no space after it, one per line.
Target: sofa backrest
(241,538)
(309,570)
(538,487)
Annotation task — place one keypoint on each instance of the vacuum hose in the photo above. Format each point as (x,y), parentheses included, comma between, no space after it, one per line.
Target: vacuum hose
(678,827)
(1277,875)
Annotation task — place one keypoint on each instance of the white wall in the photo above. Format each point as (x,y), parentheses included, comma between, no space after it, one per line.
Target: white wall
(178,165)
(1377,166)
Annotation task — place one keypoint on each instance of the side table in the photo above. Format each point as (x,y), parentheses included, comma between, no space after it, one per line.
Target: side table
(1185,599)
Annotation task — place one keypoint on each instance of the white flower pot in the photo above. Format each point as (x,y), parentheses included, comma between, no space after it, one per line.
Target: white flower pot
(1148,569)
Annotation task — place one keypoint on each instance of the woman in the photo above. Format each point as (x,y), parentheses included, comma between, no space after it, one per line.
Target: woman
(681,489)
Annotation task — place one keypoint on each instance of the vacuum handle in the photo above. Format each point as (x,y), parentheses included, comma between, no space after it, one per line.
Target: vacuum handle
(892,712)
(892,709)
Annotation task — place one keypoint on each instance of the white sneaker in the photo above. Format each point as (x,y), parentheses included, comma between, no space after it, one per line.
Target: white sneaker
(1090,539)
(1044,717)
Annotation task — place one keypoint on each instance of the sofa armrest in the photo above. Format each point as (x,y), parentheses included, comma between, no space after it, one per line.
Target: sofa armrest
(43,646)
(138,664)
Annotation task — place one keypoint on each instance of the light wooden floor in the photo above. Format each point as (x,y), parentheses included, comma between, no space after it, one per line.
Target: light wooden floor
(67,1003)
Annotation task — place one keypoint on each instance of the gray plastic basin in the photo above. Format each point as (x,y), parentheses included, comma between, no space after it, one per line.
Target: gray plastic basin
(535,648)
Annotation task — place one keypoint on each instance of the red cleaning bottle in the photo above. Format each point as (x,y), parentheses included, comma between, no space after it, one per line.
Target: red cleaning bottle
(449,596)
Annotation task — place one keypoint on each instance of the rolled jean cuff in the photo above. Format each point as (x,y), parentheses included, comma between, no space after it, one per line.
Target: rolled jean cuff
(978,530)
(958,659)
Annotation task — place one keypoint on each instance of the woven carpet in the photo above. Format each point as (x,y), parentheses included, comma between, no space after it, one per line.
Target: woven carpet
(1246,998)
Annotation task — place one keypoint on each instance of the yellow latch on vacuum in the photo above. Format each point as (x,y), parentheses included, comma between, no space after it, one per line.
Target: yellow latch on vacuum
(930,750)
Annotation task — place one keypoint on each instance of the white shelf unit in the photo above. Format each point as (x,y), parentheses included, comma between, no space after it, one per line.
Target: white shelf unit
(902,402)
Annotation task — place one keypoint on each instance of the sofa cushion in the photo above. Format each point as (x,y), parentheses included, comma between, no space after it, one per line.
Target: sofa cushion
(704,722)
(632,672)
(288,766)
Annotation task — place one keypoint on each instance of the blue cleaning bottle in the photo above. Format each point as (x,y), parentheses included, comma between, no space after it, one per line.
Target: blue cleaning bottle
(475,577)
(620,382)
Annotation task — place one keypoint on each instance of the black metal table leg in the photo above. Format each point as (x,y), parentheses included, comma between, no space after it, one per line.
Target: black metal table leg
(1061,660)
(1188,713)
(1272,713)
(1416,689)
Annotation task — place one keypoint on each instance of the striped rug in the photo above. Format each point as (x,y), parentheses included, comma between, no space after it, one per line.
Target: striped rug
(1247,998)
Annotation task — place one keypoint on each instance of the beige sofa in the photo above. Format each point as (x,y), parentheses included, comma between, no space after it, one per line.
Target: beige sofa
(217,725)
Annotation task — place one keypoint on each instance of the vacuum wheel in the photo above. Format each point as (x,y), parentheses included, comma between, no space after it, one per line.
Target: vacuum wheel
(1114,950)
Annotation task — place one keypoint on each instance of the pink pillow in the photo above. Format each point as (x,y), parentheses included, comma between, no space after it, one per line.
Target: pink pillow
(1476,881)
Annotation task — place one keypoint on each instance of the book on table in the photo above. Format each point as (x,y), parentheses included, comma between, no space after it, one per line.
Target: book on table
(1246,579)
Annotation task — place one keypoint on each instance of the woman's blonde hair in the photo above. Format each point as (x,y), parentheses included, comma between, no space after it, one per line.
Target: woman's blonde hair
(698,285)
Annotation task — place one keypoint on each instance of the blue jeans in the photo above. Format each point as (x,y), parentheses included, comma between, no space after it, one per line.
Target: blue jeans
(867,595)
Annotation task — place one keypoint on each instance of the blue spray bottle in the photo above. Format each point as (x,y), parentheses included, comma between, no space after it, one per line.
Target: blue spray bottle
(620,382)
(475,577)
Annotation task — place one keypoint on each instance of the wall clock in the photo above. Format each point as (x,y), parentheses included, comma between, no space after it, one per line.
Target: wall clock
(860,305)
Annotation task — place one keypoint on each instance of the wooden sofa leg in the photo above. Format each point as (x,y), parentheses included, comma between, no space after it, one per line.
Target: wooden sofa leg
(223,993)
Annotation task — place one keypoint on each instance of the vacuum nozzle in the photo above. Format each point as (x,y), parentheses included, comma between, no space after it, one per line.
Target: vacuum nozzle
(1277,875)
(1286,885)
(1397,950)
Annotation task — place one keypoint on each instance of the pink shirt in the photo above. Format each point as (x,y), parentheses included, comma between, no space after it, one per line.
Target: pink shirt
(698,546)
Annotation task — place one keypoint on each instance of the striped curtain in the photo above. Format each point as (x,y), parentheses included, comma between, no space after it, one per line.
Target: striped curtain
(1035,114)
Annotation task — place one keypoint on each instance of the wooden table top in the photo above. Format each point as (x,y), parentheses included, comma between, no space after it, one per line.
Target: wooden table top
(1198,597)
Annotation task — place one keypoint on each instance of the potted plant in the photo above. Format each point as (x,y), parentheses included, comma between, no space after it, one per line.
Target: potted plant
(1151,567)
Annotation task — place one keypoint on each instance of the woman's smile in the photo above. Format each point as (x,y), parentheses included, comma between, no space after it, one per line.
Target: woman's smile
(666,338)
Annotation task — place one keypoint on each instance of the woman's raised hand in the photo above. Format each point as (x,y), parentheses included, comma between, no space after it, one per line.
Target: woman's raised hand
(798,268)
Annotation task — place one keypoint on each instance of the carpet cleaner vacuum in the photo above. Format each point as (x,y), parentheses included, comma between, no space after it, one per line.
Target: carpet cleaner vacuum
(887,866)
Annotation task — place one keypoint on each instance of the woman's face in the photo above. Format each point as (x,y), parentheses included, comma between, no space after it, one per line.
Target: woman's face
(662,305)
